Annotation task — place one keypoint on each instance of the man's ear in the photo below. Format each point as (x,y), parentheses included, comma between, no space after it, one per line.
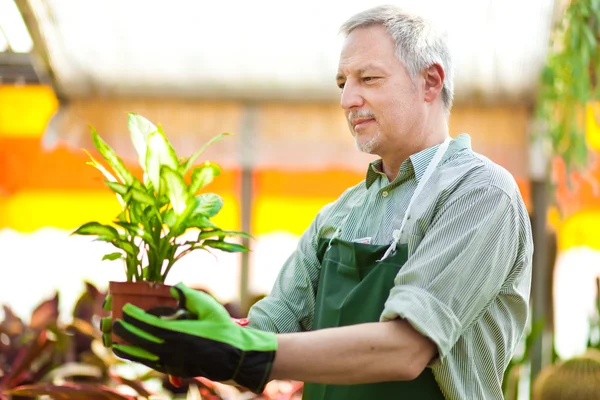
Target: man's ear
(434,82)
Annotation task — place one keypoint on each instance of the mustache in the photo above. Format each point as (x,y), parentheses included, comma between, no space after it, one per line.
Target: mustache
(360,114)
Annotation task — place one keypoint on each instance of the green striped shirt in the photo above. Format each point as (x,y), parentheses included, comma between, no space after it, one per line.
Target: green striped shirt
(467,279)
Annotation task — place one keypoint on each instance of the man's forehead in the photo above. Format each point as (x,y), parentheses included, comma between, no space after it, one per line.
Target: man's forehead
(358,67)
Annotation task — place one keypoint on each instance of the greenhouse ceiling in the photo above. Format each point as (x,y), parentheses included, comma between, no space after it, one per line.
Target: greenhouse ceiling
(267,49)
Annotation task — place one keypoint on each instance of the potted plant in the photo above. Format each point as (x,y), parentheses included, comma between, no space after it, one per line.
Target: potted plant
(159,213)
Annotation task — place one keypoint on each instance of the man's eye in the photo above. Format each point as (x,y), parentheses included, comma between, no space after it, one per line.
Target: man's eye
(368,78)
(341,85)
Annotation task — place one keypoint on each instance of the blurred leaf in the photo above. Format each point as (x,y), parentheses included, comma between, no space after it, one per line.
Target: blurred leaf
(222,234)
(45,314)
(201,222)
(170,218)
(238,233)
(203,175)
(96,228)
(190,162)
(113,160)
(11,325)
(136,230)
(105,172)
(142,197)
(140,129)
(73,369)
(112,256)
(177,189)
(183,221)
(209,204)
(25,358)
(128,247)
(68,391)
(94,163)
(535,334)
(159,153)
(228,247)
(117,187)
(134,384)
(84,327)
(136,210)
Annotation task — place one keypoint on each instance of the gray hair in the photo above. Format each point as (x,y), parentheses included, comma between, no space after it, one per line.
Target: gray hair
(418,43)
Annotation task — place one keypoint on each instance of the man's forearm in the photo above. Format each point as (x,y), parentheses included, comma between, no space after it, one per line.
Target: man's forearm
(364,353)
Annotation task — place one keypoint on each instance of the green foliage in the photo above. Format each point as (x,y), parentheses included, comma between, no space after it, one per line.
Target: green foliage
(570,82)
(157,212)
(512,374)
(594,334)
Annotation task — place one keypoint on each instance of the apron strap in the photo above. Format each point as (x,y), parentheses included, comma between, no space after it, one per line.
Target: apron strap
(398,233)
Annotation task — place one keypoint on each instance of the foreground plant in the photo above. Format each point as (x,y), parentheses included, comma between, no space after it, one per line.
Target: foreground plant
(162,208)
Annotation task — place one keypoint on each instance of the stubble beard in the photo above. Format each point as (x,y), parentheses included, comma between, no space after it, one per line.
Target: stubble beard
(370,146)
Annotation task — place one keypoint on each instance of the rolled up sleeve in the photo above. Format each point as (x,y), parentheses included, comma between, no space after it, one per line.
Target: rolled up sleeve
(290,306)
(459,266)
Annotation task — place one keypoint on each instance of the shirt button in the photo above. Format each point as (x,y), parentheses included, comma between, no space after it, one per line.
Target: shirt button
(385,193)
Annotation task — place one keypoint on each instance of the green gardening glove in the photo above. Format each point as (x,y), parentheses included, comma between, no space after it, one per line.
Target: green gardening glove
(106,322)
(207,342)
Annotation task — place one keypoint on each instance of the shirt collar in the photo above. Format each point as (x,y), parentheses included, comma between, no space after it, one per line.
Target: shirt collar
(417,162)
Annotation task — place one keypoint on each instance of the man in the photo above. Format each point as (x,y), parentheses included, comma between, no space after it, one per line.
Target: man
(414,284)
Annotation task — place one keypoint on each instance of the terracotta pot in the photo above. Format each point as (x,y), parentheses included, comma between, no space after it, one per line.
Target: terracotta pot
(145,295)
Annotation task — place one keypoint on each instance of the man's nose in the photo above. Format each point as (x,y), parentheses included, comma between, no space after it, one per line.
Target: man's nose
(351,97)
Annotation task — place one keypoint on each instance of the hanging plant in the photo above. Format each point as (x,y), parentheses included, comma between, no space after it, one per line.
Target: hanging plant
(569,85)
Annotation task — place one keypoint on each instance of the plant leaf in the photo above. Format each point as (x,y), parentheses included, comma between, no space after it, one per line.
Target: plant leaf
(209,234)
(105,172)
(74,369)
(159,153)
(209,204)
(170,218)
(117,187)
(113,160)
(68,391)
(136,230)
(112,256)
(177,189)
(140,128)
(228,247)
(128,247)
(203,175)
(136,385)
(96,228)
(182,222)
(45,314)
(238,233)
(190,161)
(12,325)
(94,163)
(222,234)
(200,221)
(141,196)
(26,357)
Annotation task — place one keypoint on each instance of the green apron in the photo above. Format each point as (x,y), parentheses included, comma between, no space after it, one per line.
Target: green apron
(354,284)
(353,288)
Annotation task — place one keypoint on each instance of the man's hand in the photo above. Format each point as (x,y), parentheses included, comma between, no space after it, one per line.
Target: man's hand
(207,343)
(106,322)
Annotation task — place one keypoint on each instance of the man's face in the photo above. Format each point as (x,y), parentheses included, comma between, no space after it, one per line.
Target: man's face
(380,100)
